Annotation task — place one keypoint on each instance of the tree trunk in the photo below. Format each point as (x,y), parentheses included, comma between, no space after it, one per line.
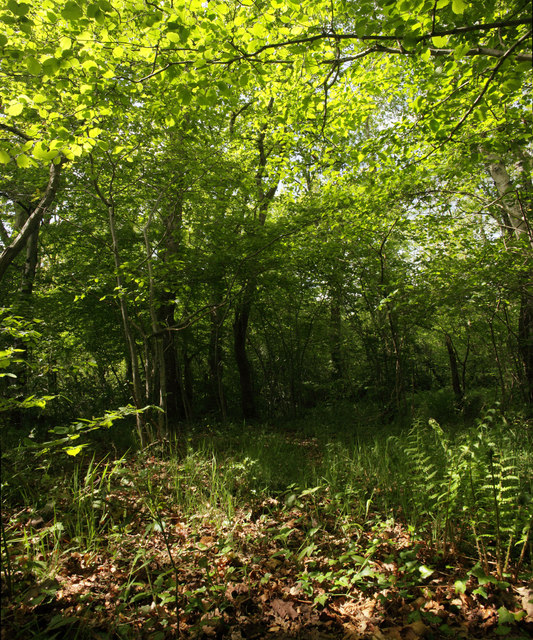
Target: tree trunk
(126,326)
(30,264)
(456,380)
(31,226)
(335,336)
(217,398)
(264,196)
(525,337)
(133,360)
(240,331)
(519,226)
(171,387)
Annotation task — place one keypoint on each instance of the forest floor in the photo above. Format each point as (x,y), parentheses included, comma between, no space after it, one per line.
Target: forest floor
(127,562)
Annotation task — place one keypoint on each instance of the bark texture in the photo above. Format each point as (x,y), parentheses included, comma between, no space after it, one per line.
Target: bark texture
(32,224)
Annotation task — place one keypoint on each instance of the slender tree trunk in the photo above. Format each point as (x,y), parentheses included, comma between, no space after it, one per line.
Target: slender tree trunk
(335,335)
(525,336)
(216,363)
(133,359)
(518,217)
(23,306)
(172,376)
(159,382)
(126,326)
(399,388)
(30,264)
(240,332)
(264,195)
(454,369)
(188,383)
(171,386)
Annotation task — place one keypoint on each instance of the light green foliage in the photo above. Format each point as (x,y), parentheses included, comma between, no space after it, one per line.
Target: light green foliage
(470,487)
(317,174)
(68,435)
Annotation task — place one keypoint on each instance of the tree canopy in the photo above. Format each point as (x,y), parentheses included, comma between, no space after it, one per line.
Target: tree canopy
(250,207)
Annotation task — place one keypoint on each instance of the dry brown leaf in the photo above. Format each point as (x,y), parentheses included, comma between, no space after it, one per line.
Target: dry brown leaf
(526,601)
(283,609)
(273,563)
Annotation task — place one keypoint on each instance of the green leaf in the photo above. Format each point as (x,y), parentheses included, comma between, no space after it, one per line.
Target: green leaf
(15,109)
(458,6)
(41,153)
(33,66)
(425,572)
(410,40)
(93,10)
(505,616)
(71,11)
(185,94)
(18,8)
(65,43)
(481,576)
(73,451)
(460,51)
(50,65)
(440,41)
(23,161)
(173,36)
(426,56)
(4,157)
(460,586)
(321,599)
(258,30)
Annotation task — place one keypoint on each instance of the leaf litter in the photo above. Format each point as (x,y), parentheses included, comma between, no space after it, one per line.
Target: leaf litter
(285,566)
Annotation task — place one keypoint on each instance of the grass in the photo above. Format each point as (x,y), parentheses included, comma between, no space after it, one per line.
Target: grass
(253,517)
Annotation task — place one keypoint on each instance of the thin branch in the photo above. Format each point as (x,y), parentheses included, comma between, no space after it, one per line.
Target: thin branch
(17,132)
(366,38)
(475,51)
(482,92)
(384,38)
(21,204)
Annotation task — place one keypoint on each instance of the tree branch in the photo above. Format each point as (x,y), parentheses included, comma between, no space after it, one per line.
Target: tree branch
(475,51)
(17,132)
(34,220)
(376,38)
(4,236)
(482,92)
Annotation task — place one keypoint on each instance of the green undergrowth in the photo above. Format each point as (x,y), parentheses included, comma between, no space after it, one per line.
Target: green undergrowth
(344,512)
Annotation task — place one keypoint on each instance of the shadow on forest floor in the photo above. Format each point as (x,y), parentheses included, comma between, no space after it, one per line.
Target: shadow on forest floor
(293,564)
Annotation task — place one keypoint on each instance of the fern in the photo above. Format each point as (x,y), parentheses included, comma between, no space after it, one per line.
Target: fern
(469,490)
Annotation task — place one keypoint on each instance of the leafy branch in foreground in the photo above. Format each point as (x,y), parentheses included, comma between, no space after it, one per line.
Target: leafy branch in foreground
(70,434)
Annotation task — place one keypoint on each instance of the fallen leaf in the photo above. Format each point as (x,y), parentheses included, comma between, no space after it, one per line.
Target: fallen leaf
(283,609)
(526,601)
